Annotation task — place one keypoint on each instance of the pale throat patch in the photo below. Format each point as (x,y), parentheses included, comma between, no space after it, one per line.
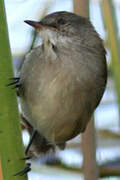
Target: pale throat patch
(54,37)
(49,39)
(49,36)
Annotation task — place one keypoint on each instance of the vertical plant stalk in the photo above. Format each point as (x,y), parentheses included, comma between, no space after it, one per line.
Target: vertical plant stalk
(110,23)
(90,169)
(81,7)
(1,176)
(11,147)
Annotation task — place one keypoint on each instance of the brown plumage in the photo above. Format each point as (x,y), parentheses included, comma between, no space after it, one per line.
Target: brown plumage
(63,80)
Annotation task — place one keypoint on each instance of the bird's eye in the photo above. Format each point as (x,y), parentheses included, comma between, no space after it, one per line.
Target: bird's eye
(61,21)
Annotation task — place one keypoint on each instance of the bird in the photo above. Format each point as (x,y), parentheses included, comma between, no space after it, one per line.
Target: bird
(61,81)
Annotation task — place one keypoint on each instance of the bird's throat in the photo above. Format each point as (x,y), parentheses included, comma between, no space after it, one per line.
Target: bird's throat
(49,50)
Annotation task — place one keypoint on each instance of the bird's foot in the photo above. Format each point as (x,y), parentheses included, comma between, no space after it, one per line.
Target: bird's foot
(26,158)
(15,82)
(24,171)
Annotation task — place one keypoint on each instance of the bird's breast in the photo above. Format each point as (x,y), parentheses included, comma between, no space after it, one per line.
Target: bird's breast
(51,98)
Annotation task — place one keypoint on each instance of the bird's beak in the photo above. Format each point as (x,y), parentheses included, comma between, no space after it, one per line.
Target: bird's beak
(36,25)
(39,25)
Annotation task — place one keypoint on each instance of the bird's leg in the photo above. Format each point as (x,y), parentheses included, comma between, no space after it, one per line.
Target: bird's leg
(27,157)
(31,140)
(32,132)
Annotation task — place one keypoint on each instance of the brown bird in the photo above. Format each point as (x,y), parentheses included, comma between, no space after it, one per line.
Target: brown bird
(63,80)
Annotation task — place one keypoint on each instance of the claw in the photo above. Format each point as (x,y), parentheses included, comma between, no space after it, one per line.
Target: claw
(15,81)
(24,171)
(26,158)
(16,86)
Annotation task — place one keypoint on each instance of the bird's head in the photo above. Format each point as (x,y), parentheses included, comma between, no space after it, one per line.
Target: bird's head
(68,30)
(61,26)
